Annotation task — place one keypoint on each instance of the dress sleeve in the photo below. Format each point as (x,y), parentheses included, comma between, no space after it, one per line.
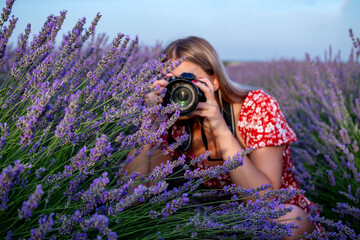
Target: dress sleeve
(262,123)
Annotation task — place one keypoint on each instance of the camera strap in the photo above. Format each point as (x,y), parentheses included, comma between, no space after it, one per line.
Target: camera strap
(228,112)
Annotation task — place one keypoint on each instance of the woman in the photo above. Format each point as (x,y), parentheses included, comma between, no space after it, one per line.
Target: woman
(259,124)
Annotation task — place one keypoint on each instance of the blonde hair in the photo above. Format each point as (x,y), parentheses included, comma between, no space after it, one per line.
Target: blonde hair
(199,51)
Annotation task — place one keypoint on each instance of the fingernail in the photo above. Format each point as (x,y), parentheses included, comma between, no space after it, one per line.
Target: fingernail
(200,77)
(194,81)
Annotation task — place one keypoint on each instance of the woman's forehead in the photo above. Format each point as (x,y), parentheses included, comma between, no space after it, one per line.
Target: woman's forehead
(189,67)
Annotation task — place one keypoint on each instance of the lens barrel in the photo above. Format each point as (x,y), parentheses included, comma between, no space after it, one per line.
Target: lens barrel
(181,90)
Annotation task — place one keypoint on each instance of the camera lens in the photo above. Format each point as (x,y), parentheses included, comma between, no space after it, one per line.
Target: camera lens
(183,94)
(182,91)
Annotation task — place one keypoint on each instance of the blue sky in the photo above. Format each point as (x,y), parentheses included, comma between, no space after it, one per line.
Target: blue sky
(239,29)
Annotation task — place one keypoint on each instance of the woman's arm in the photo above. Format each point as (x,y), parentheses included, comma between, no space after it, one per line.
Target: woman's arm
(143,163)
(263,166)
(139,163)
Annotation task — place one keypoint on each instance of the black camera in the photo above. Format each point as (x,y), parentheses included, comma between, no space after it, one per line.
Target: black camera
(183,91)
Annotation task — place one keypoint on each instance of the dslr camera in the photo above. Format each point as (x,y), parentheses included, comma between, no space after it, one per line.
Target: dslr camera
(183,91)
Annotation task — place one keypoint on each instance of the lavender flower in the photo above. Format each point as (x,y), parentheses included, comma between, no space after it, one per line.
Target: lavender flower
(4,38)
(28,123)
(31,56)
(43,36)
(45,225)
(68,223)
(333,165)
(189,186)
(20,51)
(160,172)
(339,230)
(355,146)
(9,235)
(331,177)
(8,178)
(59,21)
(102,148)
(139,194)
(79,236)
(99,222)
(64,126)
(4,133)
(71,37)
(345,209)
(74,184)
(211,172)
(31,204)
(96,191)
(174,205)
(6,12)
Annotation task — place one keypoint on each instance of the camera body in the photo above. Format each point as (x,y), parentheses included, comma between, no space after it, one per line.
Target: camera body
(183,91)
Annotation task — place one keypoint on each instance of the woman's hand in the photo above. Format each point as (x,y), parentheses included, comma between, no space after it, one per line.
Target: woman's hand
(154,98)
(210,109)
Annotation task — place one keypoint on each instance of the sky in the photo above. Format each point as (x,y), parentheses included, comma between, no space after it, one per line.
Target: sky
(240,30)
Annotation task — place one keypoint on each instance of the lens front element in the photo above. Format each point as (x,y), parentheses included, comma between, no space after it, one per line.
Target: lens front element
(182,91)
(184,94)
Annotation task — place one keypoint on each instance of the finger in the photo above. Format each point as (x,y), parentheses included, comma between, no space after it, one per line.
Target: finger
(206,106)
(207,82)
(210,112)
(200,110)
(170,74)
(209,93)
(199,113)
(159,91)
(163,82)
(160,83)
(153,98)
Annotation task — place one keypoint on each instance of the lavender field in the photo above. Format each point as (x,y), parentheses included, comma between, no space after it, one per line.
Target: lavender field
(71,111)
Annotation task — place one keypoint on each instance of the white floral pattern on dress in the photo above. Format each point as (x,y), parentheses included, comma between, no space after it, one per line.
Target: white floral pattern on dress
(261,122)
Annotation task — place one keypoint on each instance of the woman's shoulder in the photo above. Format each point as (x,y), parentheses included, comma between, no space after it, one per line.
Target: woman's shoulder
(259,99)
(261,120)
(258,96)
(258,93)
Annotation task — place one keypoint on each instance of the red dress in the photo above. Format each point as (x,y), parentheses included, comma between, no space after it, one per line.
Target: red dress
(261,123)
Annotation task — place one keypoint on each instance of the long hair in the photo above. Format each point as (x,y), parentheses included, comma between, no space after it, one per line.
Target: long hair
(199,51)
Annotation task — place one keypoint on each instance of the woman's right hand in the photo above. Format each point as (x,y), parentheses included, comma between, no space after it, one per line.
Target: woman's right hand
(154,98)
